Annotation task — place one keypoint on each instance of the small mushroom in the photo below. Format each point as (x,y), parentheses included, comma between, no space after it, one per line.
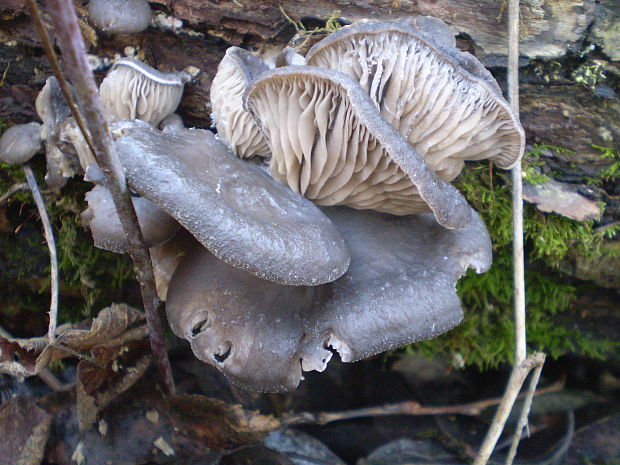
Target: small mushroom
(232,207)
(166,259)
(235,126)
(134,90)
(120,16)
(73,140)
(20,143)
(172,123)
(442,100)
(102,220)
(400,288)
(329,143)
(54,112)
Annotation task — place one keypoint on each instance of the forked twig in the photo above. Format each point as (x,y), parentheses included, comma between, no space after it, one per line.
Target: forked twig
(51,245)
(523,364)
(525,411)
(71,44)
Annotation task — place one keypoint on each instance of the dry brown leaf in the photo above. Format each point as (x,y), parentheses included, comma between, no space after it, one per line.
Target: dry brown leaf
(25,429)
(116,370)
(114,326)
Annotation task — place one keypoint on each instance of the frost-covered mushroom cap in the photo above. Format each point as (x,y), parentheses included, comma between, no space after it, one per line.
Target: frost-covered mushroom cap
(330,144)
(232,207)
(400,288)
(134,90)
(442,100)
(235,126)
(20,143)
(102,220)
(120,16)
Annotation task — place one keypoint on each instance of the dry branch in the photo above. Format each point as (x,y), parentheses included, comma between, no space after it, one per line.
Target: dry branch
(523,364)
(406,408)
(51,245)
(71,45)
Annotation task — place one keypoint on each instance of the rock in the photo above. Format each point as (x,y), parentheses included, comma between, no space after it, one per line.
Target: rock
(606,28)
(563,199)
(604,269)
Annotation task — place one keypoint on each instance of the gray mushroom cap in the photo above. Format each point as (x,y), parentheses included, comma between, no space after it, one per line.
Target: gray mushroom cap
(54,112)
(120,16)
(329,143)
(400,288)
(102,220)
(20,143)
(442,100)
(232,207)
(235,126)
(134,90)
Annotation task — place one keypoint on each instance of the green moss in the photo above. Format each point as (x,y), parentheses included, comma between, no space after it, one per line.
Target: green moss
(611,172)
(485,338)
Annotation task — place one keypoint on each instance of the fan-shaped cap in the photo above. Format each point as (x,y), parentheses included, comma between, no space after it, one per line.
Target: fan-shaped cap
(330,144)
(102,220)
(54,111)
(235,126)
(232,207)
(120,16)
(20,143)
(442,100)
(400,288)
(51,106)
(72,137)
(134,90)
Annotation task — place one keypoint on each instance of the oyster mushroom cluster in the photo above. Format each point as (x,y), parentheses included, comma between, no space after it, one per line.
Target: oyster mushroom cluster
(321,217)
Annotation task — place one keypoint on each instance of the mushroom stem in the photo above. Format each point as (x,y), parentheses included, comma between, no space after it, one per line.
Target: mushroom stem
(51,245)
(71,45)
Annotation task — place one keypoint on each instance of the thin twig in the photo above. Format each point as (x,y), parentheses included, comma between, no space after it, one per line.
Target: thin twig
(517,190)
(402,408)
(523,364)
(14,189)
(71,44)
(525,411)
(51,245)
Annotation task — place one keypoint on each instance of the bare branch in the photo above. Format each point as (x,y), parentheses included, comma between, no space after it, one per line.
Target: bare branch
(71,44)
(403,408)
(525,411)
(522,365)
(51,245)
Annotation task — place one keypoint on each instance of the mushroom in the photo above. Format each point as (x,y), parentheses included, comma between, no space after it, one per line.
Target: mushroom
(54,112)
(172,123)
(102,220)
(120,16)
(20,143)
(329,143)
(134,90)
(442,100)
(235,126)
(400,288)
(232,207)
